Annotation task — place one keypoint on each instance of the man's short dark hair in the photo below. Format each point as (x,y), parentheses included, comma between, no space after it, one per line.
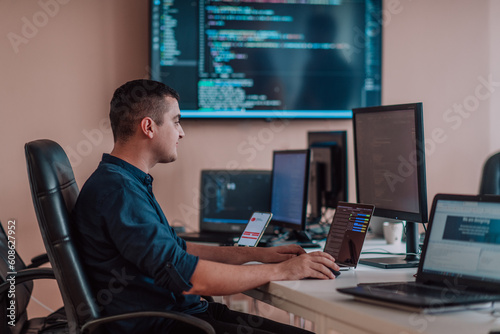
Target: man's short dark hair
(135,100)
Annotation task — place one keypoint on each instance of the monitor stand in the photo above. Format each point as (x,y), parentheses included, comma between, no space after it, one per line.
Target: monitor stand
(410,261)
(301,238)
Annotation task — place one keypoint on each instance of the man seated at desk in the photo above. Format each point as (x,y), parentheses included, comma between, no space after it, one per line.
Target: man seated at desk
(125,238)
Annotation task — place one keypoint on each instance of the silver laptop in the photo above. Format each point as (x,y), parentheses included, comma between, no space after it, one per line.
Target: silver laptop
(347,233)
(460,262)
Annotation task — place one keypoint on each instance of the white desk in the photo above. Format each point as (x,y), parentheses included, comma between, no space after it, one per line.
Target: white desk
(332,312)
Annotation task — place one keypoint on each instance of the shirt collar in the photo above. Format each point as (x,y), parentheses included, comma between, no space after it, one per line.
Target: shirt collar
(145,178)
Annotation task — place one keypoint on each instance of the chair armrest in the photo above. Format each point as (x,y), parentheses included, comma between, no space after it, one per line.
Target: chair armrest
(37,261)
(209,299)
(26,275)
(90,326)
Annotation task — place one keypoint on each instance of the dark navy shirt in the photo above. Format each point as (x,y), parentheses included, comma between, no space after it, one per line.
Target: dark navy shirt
(134,259)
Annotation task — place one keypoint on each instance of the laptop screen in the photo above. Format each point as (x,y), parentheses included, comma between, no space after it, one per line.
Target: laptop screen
(464,239)
(347,232)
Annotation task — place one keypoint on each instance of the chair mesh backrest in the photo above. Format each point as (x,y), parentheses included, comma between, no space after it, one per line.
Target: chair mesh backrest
(23,290)
(54,192)
(490,178)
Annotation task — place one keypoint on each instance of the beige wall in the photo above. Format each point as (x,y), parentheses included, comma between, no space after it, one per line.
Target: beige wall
(436,52)
(495,72)
(57,84)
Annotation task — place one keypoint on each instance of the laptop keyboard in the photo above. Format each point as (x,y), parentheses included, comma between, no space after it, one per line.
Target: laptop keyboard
(430,291)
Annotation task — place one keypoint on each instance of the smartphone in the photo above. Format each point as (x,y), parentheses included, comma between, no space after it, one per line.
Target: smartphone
(255,229)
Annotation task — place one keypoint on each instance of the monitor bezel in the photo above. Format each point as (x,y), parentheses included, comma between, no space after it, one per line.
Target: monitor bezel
(417,108)
(303,223)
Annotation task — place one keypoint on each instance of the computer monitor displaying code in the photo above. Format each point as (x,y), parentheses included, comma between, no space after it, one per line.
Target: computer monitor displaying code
(390,160)
(229,197)
(389,153)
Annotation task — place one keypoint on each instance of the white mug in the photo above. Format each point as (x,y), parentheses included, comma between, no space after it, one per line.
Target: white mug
(393,232)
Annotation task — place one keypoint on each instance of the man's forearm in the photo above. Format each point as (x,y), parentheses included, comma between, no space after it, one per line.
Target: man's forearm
(213,278)
(219,279)
(228,255)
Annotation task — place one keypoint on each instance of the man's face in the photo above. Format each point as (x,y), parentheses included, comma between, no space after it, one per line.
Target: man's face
(169,133)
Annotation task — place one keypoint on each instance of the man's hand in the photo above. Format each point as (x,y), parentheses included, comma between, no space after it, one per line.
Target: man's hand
(279,253)
(313,265)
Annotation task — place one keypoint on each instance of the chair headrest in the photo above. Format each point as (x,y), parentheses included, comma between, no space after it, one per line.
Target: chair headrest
(53,167)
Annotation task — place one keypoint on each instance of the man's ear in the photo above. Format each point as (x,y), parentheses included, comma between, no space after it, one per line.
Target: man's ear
(147,127)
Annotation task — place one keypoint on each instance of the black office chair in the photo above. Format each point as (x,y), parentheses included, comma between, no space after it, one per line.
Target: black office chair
(490,178)
(54,192)
(15,318)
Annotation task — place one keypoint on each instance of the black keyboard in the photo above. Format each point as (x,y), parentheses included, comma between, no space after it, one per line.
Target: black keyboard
(420,290)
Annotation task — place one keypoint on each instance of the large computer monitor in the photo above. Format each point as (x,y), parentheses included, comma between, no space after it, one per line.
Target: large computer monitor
(328,181)
(229,197)
(390,170)
(290,179)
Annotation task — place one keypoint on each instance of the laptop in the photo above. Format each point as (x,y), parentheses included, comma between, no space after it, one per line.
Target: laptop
(347,233)
(227,199)
(460,262)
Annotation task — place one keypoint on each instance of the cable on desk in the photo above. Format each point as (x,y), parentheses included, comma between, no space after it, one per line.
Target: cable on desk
(256,307)
(383,251)
(494,312)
